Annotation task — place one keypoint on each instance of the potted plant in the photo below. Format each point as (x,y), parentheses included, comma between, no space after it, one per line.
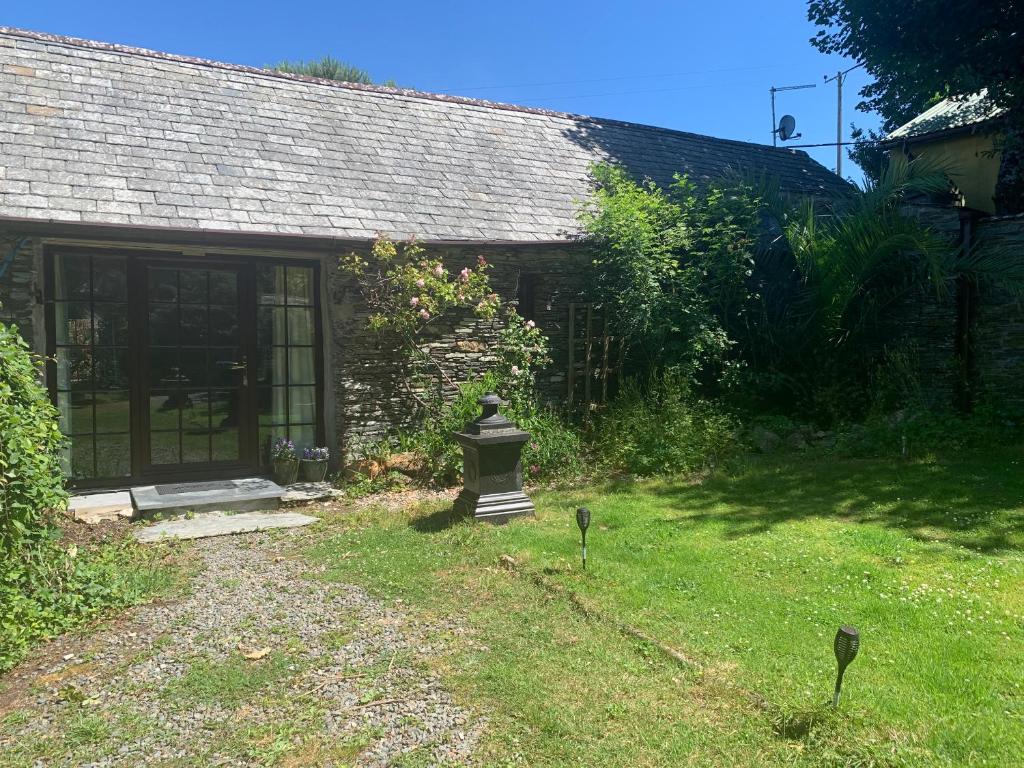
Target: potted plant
(284,461)
(313,467)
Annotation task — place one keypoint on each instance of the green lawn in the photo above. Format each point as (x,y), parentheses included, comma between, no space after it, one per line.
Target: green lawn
(748,574)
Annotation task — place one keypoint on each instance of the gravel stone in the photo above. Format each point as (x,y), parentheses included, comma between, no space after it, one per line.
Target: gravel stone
(357,658)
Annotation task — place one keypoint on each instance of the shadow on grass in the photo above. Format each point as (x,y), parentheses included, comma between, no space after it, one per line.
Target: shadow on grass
(975,502)
(438,521)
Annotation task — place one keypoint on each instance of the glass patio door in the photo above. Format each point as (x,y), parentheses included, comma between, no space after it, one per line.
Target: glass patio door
(195,371)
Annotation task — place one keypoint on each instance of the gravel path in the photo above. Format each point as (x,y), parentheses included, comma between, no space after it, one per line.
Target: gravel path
(261,664)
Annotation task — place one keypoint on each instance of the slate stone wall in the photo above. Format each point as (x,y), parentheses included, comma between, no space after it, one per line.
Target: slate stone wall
(999,327)
(18,284)
(367,373)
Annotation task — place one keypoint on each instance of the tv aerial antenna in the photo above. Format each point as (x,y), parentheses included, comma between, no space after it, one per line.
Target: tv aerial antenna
(785,128)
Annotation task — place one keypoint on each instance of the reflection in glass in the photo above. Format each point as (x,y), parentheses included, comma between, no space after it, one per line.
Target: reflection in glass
(301,369)
(113,455)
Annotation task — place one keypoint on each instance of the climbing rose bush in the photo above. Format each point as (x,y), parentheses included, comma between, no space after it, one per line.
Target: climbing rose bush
(521,351)
(407,290)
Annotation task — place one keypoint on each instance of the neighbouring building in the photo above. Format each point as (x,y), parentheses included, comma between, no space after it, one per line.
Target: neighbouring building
(170,229)
(961,134)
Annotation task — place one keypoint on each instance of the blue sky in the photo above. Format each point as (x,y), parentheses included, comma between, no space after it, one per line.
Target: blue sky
(704,66)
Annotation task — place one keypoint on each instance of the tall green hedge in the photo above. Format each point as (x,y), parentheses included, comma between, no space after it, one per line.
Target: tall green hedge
(31,480)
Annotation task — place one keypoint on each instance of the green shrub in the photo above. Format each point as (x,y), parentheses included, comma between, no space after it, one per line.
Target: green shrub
(662,428)
(553,451)
(31,480)
(45,587)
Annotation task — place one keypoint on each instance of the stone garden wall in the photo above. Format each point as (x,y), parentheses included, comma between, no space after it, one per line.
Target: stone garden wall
(999,325)
(18,283)
(367,375)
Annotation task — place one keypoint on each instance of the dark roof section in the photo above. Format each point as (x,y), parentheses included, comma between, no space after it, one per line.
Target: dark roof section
(106,134)
(949,115)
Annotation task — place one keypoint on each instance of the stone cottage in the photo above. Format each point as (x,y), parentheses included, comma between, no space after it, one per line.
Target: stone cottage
(170,229)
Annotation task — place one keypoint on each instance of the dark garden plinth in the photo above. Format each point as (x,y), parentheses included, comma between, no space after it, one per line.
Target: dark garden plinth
(492,470)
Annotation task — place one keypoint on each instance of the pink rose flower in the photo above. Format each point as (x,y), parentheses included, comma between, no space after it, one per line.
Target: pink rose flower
(515,370)
(424,314)
(439,270)
(464,275)
(420,283)
(414,301)
(530,324)
(534,469)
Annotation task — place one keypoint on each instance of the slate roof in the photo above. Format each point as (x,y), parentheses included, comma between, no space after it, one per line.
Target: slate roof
(949,115)
(98,133)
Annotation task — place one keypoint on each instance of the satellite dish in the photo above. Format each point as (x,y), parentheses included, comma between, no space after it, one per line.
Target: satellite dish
(787,127)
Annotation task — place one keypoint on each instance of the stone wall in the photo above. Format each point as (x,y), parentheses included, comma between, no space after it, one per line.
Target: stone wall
(999,320)
(19,284)
(367,375)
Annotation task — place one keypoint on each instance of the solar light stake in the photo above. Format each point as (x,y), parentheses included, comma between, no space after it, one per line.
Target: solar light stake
(583,521)
(846,646)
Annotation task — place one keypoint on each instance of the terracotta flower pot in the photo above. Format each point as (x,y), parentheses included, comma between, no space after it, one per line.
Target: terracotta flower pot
(313,470)
(285,471)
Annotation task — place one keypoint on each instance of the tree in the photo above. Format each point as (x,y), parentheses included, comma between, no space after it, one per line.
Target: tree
(920,51)
(328,68)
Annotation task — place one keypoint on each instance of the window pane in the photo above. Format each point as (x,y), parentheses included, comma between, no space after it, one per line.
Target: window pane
(300,325)
(74,368)
(163,410)
(71,276)
(224,408)
(163,325)
(112,411)
(223,288)
(224,328)
(75,412)
(113,456)
(194,323)
(303,437)
(270,366)
(163,284)
(110,368)
(300,366)
(192,370)
(82,458)
(109,278)
(195,447)
(195,414)
(225,444)
(74,325)
(270,285)
(110,323)
(300,286)
(192,283)
(226,367)
(301,405)
(272,405)
(270,326)
(164,447)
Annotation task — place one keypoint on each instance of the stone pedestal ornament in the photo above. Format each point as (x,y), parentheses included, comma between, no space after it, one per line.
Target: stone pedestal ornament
(492,468)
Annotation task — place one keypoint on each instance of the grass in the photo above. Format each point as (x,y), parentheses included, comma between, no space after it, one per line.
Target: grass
(748,574)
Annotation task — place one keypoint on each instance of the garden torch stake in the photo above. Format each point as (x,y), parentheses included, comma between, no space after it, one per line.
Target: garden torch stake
(846,646)
(583,521)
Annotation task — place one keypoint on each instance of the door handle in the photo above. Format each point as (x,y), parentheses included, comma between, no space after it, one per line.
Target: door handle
(242,366)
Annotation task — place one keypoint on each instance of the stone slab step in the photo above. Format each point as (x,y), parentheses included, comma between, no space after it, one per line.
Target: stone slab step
(96,508)
(220,524)
(301,493)
(249,494)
